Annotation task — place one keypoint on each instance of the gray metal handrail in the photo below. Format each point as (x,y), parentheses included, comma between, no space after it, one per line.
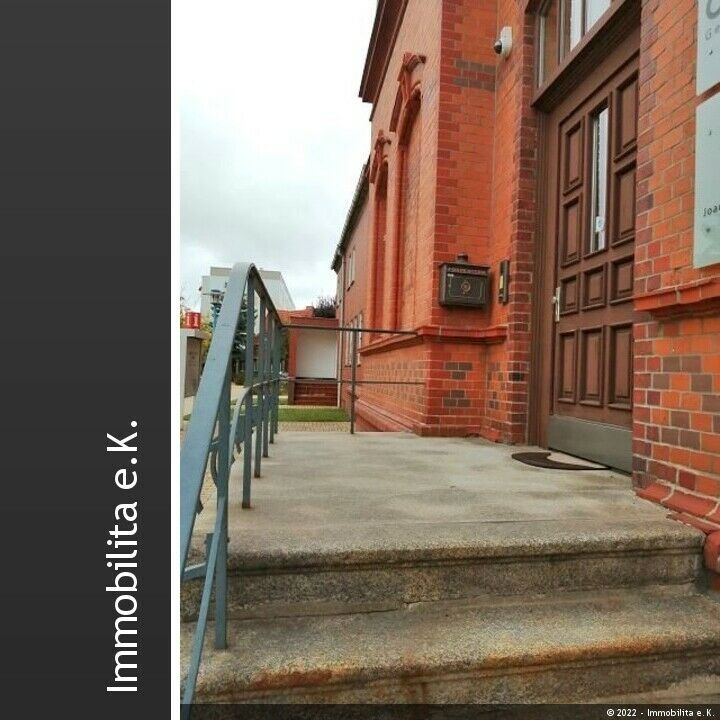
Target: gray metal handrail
(213,437)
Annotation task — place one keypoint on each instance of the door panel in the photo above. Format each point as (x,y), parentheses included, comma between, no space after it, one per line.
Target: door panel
(591,232)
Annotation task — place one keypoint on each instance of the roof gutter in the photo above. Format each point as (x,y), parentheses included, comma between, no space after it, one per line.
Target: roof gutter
(359,197)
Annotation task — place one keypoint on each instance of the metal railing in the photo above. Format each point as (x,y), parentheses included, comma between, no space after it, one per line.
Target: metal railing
(214,435)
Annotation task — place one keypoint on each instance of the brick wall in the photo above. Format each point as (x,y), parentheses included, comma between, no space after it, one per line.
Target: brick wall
(439,195)
(467,174)
(473,163)
(465,147)
(513,222)
(676,432)
(399,406)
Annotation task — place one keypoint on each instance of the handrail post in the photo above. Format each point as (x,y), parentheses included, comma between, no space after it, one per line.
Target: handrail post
(223,477)
(271,380)
(261,395)
(270,427)
(214,434)
(278,364)
(353,378)
(248,381)
(267,402)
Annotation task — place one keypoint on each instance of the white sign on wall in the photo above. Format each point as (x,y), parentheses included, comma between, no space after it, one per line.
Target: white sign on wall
(708,59)
(707,184)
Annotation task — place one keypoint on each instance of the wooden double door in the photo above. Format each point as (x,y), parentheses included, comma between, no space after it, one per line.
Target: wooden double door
(590,224)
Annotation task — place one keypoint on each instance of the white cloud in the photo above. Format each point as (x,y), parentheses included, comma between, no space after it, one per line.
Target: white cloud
(273,135)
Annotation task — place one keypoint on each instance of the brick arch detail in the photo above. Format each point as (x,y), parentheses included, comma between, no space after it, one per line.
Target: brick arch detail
(376,262)
(407,100)
(406,110)
(380,154)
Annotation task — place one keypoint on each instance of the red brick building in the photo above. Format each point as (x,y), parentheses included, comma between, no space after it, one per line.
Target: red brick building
(572,156)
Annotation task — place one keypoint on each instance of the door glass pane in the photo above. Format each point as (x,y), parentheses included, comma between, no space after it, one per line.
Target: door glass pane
(593,10)
(572,29)
(600,158)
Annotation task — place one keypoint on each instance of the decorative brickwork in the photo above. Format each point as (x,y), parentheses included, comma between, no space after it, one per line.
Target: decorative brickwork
(456,169)
(676,433)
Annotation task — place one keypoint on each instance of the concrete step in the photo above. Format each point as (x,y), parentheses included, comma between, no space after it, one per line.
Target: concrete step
(389,566)
(567,648)
(699,690)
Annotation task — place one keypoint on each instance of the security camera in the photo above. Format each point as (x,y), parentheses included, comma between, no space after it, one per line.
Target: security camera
(503,44)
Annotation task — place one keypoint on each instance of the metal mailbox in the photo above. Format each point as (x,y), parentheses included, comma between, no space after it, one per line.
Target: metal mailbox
(464,285)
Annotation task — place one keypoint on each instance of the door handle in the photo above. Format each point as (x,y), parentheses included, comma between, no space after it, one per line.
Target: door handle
(556,303)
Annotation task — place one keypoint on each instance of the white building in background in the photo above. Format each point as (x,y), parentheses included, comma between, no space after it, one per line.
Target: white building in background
(218,278)
(275,284)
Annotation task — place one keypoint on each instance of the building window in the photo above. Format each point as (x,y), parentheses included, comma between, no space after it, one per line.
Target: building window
(356,322)
(593,11)
(348,344)
(562,24)
(351,268)
(598,201)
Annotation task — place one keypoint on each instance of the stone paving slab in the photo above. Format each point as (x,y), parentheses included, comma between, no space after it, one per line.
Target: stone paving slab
(348,495)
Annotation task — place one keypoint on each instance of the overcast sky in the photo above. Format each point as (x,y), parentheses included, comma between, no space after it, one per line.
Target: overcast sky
(272,135)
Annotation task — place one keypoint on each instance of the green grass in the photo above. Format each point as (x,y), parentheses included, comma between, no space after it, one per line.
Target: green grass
(298,413)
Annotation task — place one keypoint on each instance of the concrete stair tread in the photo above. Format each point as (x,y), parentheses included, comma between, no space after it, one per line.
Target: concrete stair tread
(696,690)
(327,546)
(306,655)
(388,565)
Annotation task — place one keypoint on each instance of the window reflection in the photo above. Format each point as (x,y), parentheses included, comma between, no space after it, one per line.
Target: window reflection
(600,148)
(572,24)
(562,25)
(593,10)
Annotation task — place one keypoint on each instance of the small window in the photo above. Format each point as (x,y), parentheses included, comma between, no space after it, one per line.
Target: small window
(598,202)
(594,10)
(351,268)
(561,26)
(348,341)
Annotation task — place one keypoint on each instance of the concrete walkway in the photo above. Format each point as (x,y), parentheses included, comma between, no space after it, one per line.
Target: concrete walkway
(367,492)
(393,568)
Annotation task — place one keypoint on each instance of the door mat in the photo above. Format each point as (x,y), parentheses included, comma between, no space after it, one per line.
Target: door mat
(542,460)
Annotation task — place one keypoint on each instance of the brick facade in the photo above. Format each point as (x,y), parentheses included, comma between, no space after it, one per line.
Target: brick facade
(455,168)
(676,433)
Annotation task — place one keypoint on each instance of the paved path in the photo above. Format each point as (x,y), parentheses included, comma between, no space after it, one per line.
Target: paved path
(370,490)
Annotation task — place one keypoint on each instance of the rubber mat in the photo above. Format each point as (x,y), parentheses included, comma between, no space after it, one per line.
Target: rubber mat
(542,460)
